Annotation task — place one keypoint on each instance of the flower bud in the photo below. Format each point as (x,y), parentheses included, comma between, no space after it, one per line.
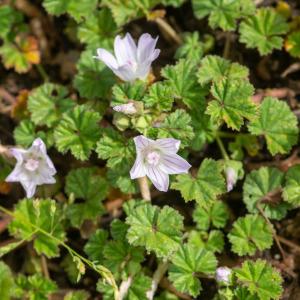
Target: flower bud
(223,274)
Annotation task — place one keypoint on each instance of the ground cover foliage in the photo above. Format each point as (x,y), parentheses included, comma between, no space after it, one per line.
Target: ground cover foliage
(222,96)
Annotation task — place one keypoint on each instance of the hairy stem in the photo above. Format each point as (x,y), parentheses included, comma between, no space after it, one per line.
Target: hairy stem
(227,45)
(104,272)
(157,276)
(124,287)
(273,231)
(45,267)
(166,27)
(144,188)
(222,148)
(42,72)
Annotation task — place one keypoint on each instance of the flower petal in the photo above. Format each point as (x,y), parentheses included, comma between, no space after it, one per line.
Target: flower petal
(131,47)
(146,47)
(168,145)
(138,169)
(143,70)
(18,154)
(107,58)
(29,187)
(142,142)
(125,73)
(15,175)
(39,145)
(125,50)
(174,164)
(158,178)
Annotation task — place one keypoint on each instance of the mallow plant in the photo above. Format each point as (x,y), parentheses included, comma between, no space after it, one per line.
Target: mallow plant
(151,173)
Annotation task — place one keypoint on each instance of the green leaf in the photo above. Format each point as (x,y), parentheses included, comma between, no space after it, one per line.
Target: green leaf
(70,267)
(98,30)
(260,279)
(244,142)
(20,54)
(93,79)
(76,9)
(181,78)
(212,241)
(187,263)
(192,48)
(95,245)
(291,191)
(84,183)
(25,133)
(213,214)
(122,93)
(242,293)
(137,290)
(120,179)
(249,234)
(8,18)
(263,187)
(156,229)
(204,128)
(178,126)
(231,102)
(118,150)
(278,124)
(118,229)
(292,44)
(77,295)
(125,11)
(175,3)
(205,187)
(78,131)
(6,282)
(263,30)
(35,287)
(159,96)
(215,68)
(222,13)
(119,257)
(47,103)
(29,215)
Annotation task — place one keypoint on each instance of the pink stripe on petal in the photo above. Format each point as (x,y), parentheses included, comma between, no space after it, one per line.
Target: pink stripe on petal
(174,164)
(138,169)
(158,178)
(168,145)
(142,142)
(146,47)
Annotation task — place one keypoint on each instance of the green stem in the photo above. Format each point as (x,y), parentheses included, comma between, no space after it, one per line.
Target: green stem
(104,272)
(222,148)
(42,72)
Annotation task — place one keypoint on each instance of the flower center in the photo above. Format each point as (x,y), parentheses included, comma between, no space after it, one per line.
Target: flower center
(31,164)
(153,158)
(132,64)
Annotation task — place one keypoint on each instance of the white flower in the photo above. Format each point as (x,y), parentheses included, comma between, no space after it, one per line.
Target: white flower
(128,108)
(157,159)
(223,274)
(131,61)
(33,167)
(231,178)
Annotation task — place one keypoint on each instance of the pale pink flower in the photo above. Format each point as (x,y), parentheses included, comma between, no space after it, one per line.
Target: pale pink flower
(33,167)
(131,61)
(231,178)
(223,274)
(127,109)
(157,159)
